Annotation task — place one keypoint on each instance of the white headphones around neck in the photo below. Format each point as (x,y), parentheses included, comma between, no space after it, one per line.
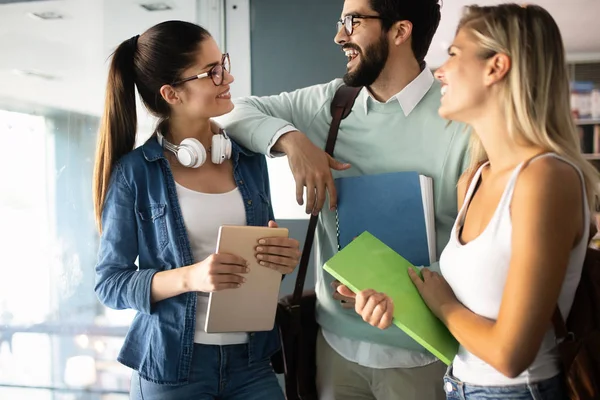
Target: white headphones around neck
(191,153)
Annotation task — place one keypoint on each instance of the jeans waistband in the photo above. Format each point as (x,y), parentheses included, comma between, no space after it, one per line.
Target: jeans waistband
(454,388)
(549,389)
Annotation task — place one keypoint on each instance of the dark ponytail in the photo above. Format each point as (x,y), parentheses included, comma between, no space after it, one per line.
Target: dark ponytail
(147,62)
(119,121)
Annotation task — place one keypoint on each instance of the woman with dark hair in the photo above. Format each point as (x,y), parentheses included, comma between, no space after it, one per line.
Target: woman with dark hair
(163,203)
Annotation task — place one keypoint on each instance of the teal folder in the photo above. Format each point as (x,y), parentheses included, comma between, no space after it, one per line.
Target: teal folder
(367,263)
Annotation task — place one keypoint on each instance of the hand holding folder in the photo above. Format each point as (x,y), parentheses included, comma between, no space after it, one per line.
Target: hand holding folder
(434,290)
(377,309)
(368,263)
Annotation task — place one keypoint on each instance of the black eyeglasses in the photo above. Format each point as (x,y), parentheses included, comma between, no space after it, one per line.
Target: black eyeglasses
(348,22)
(216,73)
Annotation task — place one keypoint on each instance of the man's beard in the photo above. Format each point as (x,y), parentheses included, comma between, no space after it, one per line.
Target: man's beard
(371,64)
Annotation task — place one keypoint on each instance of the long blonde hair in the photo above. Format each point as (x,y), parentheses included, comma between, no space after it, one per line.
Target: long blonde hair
(536,90)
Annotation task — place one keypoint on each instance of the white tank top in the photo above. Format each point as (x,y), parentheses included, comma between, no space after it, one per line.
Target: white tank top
(477,273)
(203,214)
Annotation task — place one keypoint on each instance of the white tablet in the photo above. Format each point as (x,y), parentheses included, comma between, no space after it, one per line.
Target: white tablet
(251,307)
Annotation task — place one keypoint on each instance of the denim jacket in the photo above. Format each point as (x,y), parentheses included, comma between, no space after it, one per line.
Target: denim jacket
(142,219)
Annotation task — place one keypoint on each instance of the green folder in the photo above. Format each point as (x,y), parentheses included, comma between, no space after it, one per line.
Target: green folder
(367,263)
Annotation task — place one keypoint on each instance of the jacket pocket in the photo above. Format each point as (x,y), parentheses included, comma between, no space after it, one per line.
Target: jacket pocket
(154,225)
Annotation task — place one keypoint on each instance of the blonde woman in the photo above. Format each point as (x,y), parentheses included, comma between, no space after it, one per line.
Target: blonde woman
(517,247)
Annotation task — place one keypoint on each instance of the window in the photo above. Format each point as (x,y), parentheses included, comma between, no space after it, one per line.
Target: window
(57,342)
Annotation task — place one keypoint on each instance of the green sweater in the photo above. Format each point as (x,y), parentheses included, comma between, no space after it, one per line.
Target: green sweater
(382,140)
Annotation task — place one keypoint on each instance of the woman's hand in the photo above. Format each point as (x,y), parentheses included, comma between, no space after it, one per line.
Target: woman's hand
(216,272)
(375,308)
(434,290)
(278,253)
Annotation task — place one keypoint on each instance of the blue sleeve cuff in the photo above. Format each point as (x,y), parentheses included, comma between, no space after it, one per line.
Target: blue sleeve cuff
(140,290)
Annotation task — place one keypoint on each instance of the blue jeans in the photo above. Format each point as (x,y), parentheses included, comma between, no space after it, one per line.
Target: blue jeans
(217,372)
(549,389)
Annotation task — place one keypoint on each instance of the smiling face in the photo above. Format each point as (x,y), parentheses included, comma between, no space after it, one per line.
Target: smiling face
(201,98)
(367,48)
(466,87)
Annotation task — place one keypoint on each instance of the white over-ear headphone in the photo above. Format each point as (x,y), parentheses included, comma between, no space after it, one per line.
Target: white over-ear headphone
(191,153)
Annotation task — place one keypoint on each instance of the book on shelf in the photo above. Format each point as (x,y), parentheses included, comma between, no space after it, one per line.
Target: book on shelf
(589,138)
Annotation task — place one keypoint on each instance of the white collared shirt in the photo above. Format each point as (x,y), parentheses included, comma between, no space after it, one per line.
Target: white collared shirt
(410,96)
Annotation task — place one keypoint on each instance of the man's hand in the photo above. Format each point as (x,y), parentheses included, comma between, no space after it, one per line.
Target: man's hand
(376,309)
(344,295)
(311,168)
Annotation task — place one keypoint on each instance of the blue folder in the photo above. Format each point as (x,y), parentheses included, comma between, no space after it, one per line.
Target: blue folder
(389,206)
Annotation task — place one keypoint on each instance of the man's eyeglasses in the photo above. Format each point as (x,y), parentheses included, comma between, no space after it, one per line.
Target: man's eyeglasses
(216,73)
(348,22)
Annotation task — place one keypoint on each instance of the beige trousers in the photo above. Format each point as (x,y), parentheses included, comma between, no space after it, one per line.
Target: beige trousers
(340,379)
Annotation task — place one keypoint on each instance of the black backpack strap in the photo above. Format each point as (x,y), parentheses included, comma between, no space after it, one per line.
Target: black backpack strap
(341,106)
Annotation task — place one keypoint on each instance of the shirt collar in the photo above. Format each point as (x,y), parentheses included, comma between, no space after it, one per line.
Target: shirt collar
(410,96)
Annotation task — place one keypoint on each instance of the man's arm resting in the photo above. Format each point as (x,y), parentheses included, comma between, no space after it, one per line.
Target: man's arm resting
(311,168)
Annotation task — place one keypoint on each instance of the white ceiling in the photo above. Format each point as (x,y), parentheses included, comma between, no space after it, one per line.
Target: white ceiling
(578,20)
(74,50)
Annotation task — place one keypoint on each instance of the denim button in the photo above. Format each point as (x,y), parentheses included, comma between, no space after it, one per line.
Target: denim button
(449,387)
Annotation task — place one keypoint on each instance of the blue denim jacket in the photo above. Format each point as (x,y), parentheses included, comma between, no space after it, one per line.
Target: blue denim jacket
(142,218)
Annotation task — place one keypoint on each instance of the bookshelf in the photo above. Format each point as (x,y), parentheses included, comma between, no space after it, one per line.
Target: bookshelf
(585,104)
(587,121)
(589,133)
(592,156)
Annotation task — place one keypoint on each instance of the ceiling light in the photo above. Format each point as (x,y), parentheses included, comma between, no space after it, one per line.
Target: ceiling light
(16,1)
(156,6)
(34,74)
(46,15)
